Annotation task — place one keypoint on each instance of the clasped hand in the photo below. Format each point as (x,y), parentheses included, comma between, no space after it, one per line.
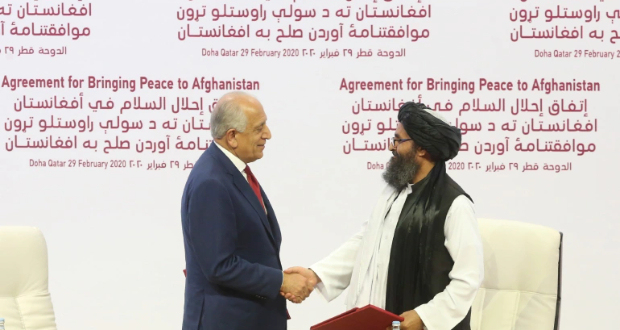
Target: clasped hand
(298,283)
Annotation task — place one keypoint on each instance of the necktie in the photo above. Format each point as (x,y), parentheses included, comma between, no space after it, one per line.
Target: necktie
(254,184)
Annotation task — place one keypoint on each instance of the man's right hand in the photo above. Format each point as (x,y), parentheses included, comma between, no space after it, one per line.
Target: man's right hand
(296,286)
(309,274)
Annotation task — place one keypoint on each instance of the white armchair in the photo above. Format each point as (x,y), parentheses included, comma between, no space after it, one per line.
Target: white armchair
(522,277)
(25,301)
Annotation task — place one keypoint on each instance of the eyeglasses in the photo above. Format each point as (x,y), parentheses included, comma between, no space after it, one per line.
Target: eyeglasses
(396,141)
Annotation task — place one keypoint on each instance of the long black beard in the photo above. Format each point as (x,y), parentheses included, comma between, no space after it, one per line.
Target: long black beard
(401,170)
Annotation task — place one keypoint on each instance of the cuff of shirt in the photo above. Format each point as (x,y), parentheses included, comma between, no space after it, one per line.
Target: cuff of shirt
(321,286)
(422,314)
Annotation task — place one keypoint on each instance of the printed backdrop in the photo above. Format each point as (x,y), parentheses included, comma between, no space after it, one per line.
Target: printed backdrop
(105,107)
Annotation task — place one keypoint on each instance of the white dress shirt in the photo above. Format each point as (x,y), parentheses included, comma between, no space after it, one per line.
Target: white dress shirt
(239,164)
(363,261)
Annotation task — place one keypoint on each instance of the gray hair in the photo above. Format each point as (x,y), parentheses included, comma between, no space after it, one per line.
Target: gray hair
(226,115)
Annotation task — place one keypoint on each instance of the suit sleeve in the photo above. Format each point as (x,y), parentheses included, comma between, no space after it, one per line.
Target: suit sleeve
(213,237)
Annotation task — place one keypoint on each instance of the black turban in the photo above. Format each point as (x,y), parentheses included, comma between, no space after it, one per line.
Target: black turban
(430,133)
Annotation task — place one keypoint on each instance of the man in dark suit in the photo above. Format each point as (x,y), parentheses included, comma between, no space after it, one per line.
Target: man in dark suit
(231,234)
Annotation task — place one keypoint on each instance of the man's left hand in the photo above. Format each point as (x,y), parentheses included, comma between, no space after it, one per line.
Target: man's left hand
(412,321)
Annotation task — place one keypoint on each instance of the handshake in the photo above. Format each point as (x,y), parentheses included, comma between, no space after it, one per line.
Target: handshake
(298,284)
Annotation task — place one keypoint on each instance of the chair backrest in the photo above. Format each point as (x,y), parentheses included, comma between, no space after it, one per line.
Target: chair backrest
(522,277)
(25,301)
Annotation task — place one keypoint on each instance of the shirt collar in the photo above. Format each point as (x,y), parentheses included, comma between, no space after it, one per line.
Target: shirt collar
(409,188)
(239,164)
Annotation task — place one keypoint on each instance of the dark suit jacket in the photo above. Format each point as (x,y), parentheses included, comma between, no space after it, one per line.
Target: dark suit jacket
(232,249)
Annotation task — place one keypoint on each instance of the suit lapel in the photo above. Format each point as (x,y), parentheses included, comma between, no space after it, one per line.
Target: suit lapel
(248,193)
(271,215)
(244,187)
(277,236)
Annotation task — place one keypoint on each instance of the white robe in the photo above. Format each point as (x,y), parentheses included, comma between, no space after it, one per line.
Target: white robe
(361,263)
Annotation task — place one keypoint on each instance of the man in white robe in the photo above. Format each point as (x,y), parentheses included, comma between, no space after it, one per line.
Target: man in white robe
(366,263)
